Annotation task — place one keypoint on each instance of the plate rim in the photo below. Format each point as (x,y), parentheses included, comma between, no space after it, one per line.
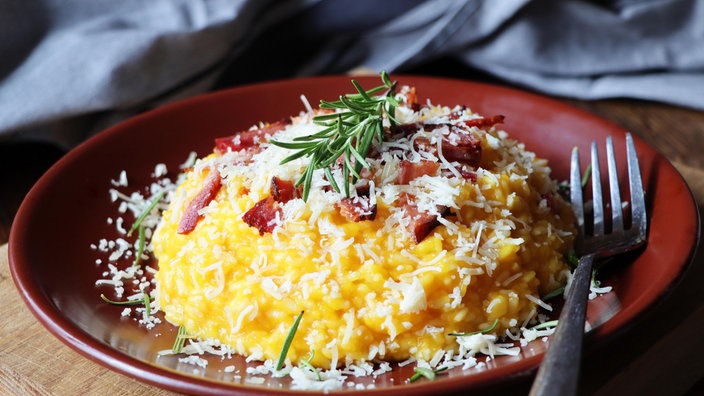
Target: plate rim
(64,329)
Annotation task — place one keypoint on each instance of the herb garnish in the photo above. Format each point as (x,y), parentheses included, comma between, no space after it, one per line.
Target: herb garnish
(140,246)
(425,372)
(180,340)
(287,343)
(147,305)
(143,300)
(585,176)
(485,331)
(557,292)
(146,212)
(306,363)
(348,134)
(545,325)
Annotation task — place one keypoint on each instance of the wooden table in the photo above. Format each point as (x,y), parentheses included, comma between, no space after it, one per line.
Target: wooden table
(663,357)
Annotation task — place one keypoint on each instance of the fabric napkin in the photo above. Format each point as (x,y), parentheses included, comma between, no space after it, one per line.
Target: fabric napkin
(69,69)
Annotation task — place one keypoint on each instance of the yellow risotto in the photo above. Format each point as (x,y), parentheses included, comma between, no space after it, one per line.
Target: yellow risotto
(453,227)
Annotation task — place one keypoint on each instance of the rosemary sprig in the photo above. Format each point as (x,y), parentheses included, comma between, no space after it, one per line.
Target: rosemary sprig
(585,176)
(545,325)
(306,363)
(146,212)
(553,294)
(425,372)
(348,134)
(180,340)
(147,305)
(141,241)
(485,331)
(144,300)
(288,341)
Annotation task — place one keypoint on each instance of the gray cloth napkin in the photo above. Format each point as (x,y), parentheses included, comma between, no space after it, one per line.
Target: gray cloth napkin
(70,68)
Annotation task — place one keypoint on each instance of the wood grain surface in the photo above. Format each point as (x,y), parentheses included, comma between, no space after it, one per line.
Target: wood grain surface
(662,358)
(33,362)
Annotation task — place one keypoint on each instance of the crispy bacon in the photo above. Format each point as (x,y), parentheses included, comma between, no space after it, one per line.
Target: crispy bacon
(408,170)
(191,215)
(485,122)
(412,99)
(362,187)
(262,215)
(357,208)
(462,147)
(404,129)
(249,139)
(283,190)
(458,113)
(468,175)
(421,223)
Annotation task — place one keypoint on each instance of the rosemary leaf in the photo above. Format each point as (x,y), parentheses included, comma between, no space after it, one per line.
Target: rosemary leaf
(545,325)
(585,176)
(306,363)
(180,340)
(485,331)
(555,293)
(422,372)
(146,212)
(126,302)
(288,341)
(140,246)
(331,179)
(425,372)
(147,305)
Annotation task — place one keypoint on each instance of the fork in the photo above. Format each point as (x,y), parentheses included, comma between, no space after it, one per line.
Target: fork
(559,371)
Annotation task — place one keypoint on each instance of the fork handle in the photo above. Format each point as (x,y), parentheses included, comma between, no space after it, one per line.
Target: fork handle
(559,371)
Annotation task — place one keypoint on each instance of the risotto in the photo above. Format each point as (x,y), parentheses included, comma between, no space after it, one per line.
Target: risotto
(453,227)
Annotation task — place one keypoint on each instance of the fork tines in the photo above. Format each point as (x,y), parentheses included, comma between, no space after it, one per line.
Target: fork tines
(638,210)
(637,203)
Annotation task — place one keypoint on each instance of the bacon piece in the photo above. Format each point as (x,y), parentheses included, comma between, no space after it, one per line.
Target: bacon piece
(404,129)
(408,170)
(459,145)
(363,188)
(249,139)
(463,146)
(357,209)
(421,223)
(485,122)
(241,141)
(468,175)
(458,113)
(412,99)
(202,199)
(262,215)
(283,190)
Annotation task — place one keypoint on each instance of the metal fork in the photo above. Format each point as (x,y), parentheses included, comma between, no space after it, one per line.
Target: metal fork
(559,371)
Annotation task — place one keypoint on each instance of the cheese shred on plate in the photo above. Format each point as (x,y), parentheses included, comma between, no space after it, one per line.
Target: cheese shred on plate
(454,227)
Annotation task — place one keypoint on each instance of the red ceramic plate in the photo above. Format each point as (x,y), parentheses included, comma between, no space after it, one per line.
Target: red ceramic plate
(55,271)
